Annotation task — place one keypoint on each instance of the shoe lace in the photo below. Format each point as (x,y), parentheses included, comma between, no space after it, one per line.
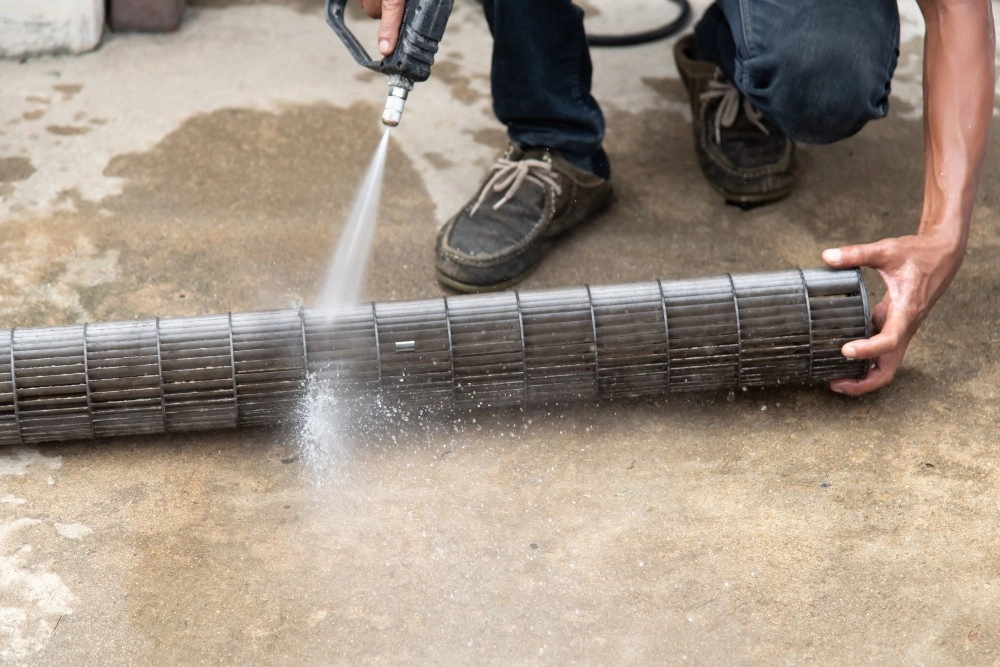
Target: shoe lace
(730,101)
(510,175)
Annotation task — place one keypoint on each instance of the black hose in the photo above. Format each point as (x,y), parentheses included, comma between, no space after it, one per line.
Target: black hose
(635,38)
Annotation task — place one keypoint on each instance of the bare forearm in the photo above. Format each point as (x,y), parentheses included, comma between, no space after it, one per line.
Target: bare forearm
(959,82)
(959,79)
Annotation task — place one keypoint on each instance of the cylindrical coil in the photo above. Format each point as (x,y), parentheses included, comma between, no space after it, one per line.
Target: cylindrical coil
(464,352)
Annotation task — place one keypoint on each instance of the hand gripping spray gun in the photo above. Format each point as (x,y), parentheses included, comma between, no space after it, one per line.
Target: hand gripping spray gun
(422,28)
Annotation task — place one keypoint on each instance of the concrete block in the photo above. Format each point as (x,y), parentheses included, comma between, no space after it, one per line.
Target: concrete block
(37,27)
(145,15)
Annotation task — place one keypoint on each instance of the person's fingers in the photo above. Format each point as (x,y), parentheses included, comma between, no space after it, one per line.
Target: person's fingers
(869,254)
(891,337)
(388,29)
(915,270)
(880,373)
(878,376)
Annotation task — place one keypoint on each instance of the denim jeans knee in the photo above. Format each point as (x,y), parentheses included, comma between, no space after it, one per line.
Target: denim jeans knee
(820,70)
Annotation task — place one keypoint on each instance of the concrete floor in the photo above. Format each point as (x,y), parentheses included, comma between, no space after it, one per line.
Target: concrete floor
(211,170)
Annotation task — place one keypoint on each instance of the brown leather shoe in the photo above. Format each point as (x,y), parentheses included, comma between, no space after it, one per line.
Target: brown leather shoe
(742,154)
(530,198)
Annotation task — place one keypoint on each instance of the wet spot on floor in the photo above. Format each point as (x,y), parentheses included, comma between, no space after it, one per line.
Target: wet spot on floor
(438,161)
(57,275)
(490,136)
(243,200)
(459,85)
(15,169)
(67,130)
(671,89)
(68,89)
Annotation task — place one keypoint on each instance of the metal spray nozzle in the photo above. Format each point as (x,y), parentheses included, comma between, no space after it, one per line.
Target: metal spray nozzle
(399,88)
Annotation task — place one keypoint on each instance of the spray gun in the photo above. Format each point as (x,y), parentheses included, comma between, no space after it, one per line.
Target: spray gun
(422,28)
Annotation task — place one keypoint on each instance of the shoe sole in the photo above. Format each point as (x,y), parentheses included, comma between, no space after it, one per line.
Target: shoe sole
(469,288)
(752,200)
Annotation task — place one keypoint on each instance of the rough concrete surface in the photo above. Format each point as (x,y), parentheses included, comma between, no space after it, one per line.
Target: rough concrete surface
(211,170)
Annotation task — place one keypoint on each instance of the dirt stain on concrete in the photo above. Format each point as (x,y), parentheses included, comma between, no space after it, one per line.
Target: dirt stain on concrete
(67,130)
(15,169)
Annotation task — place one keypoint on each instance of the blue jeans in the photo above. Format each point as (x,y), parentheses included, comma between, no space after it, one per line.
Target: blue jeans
(818,69)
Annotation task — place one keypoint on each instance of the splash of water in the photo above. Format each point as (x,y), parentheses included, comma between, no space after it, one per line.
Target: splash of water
(347,270)
(324,423)
(324,414)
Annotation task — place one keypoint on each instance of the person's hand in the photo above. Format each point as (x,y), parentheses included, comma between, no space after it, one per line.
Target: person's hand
(916,270)
(391,13)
